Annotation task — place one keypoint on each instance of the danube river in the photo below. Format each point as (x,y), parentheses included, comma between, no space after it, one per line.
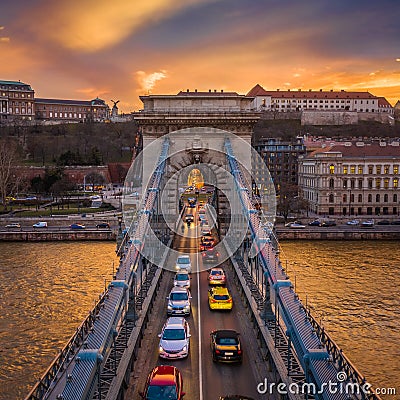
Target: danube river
(46,289)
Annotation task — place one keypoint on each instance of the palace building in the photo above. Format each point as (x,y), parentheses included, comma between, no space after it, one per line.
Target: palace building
(16,101)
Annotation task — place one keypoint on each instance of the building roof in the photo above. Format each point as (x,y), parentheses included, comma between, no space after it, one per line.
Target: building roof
(14,83)
(87,103)
(360,149)
(258,90)
(209,93)
(382,102)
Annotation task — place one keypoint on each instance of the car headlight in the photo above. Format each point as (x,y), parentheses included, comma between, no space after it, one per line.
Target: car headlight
(187,307)
(160,349)
(169,306)
(184,348)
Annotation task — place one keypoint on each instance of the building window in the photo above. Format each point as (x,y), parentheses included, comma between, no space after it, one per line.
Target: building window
(378,169)
(360,198)
(352,169)
(385,198)
(331,169)
(377,183)
(360,169)
(331,198)
(386,183)
(331,183)
(370,183)
(395,169)
(352,183)
(386,169)
(344,183)
(360,183)
(395,182)
(345,169)
(395,198)
(370,198)
(345,198)
(370,169)
(378,198)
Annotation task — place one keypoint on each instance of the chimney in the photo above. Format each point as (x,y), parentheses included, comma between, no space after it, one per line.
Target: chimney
(320,90)
(209,90)
(187,90)
(222,90)
(195,90)
(331,90)
(310,90)
(288,90)
(277,90)
(215,90)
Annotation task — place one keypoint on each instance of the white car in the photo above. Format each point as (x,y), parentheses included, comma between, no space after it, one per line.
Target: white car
(183,263)
(353,222)
(174,339)
(41,224)
(182,279)
(296,225)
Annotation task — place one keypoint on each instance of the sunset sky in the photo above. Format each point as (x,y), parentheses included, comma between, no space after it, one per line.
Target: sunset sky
(120,49)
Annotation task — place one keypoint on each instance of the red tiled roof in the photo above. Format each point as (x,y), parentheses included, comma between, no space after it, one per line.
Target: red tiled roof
(367,150)
(382,102)
(257,90)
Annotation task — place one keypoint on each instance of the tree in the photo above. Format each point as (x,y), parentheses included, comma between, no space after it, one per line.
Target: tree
(9,179)
(94,179)
(287,199)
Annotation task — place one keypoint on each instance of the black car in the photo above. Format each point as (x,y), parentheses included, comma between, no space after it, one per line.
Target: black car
(226,346)
(103,225)
(383,222)
(210,256)
(315,223)
(189,218)
(329,223)
(395,223)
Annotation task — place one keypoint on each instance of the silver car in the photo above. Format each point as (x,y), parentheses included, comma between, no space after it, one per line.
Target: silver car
(174,339)
(183,263)
(182,279)
(179,302)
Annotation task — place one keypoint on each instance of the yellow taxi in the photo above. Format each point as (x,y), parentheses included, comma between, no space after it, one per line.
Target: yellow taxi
(219,299)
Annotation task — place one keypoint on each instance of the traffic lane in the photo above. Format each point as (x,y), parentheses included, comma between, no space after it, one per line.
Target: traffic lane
(220,378)
(148,356)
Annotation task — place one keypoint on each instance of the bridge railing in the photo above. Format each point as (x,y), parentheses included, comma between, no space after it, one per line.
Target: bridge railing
(318,364)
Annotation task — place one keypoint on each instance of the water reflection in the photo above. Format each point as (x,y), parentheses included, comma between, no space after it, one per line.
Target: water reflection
(46,290)
(353,288)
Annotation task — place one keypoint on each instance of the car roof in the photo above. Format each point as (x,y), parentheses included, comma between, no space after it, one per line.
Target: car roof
(163,375)
(219,269)
(226,333)
(220,290)
(178,289)
(175,323)
(183,256)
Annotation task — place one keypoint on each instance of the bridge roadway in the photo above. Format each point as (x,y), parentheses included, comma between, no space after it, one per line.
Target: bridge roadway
(203,379)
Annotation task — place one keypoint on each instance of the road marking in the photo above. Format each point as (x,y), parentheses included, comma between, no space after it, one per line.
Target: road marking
(198,302)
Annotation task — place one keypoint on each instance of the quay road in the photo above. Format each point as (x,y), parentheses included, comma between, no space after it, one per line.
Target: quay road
(202,378)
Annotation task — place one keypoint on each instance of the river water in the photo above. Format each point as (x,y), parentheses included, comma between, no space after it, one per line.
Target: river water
(46,289)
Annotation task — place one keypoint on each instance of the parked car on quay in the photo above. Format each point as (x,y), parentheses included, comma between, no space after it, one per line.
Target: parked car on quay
(13,225)
(77,226)
(383,222)
(316,222)
(103,225)
(296,225)
(41,224)
(368,223)
(329,223)
(353,222)
(397,222)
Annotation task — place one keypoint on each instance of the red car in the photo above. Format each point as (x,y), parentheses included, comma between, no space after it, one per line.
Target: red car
(217,276)
(165,383)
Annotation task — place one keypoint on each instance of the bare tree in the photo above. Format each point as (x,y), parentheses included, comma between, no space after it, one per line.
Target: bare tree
(8,177)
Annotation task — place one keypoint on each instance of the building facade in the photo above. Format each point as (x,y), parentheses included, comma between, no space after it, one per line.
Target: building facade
(352,178)
(71,110)
(300,100)
(16,101)
(281,158)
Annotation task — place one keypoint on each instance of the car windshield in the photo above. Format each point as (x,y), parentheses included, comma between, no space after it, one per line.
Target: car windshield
(216,273)
(227,341)
(221,297)
(182,277)
(173,334)
(178,296)
(161,393)
(183,260)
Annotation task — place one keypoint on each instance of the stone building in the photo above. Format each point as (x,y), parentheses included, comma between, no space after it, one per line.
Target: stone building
(352,178)
(71,110)
(16,101)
